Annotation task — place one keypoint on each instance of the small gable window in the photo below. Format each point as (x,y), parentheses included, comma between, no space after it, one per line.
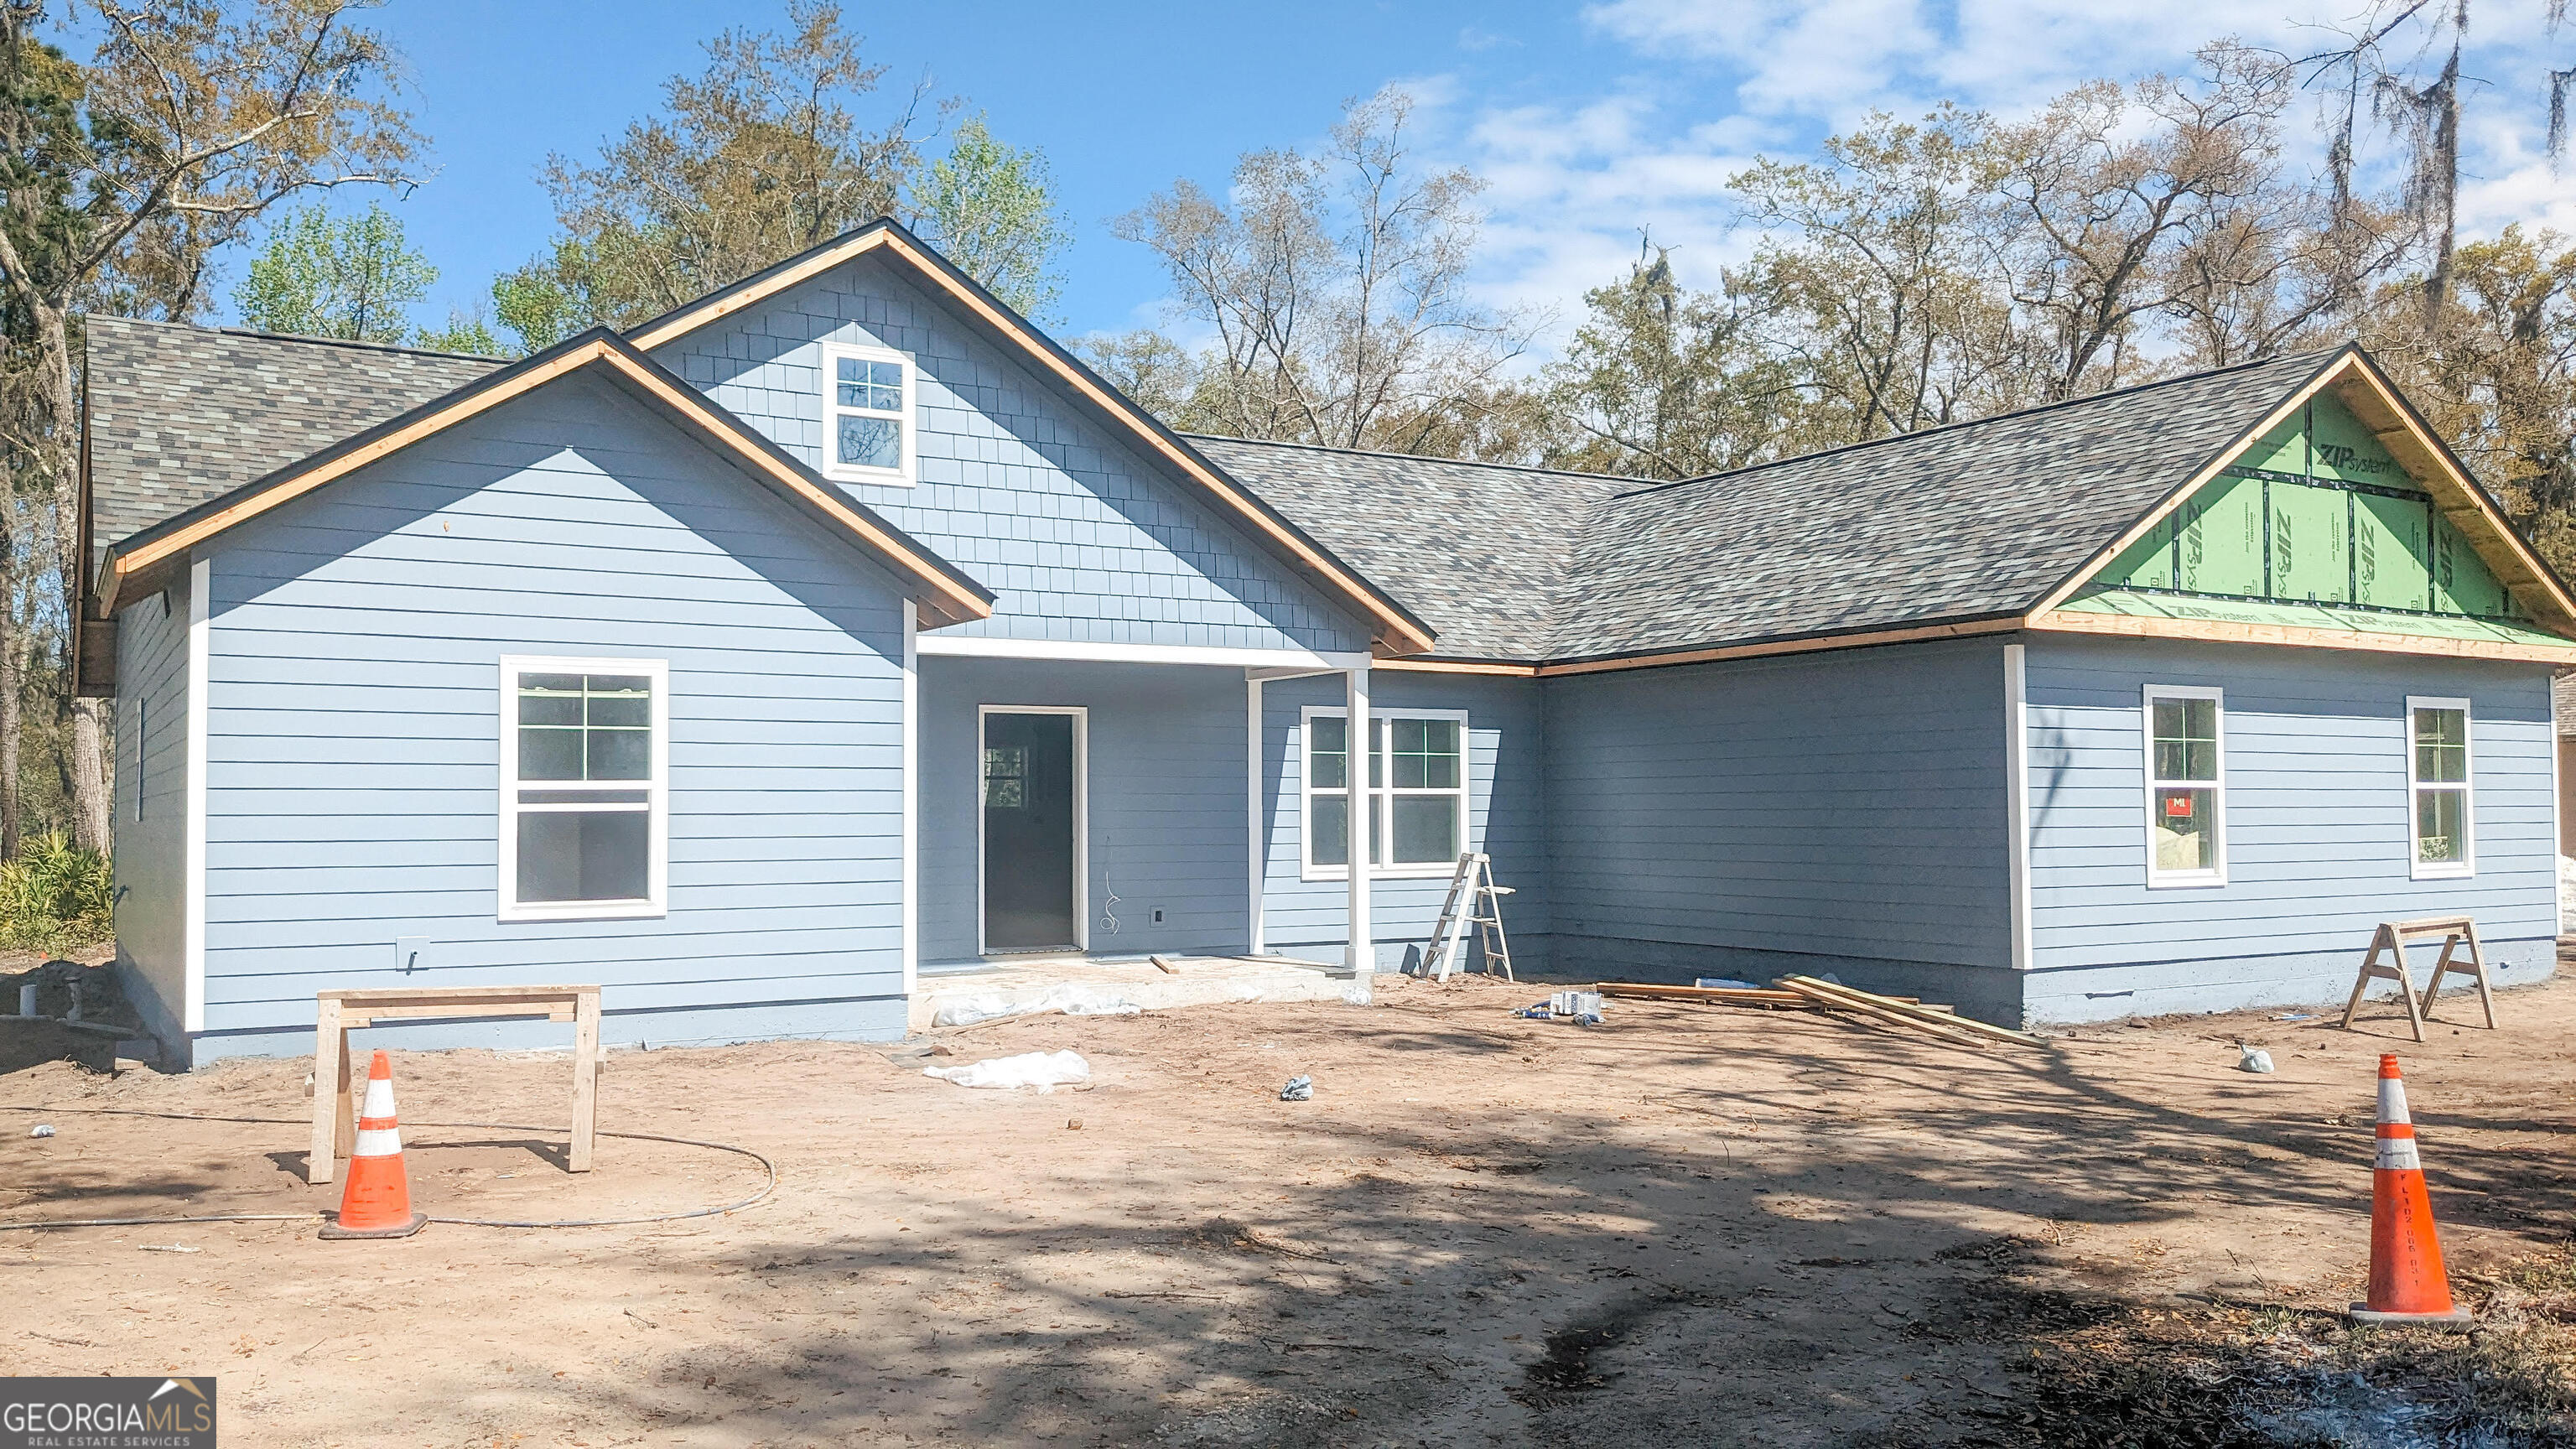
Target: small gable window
(2437,781)
(867,415)
(584,788)
(2186,788)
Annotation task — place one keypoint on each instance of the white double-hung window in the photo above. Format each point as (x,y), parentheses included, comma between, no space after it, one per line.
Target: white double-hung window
(2186,786)
(867,414)
(585,764)
(1414,801)
(2437,787)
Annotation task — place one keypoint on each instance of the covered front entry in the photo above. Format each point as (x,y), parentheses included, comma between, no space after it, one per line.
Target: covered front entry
(1033,800)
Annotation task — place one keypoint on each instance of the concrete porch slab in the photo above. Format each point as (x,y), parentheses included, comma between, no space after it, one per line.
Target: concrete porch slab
(1086,986)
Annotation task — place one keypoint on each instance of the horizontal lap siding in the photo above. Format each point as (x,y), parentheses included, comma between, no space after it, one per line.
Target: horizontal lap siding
(1080,536)
(2317,831)
(353,737)
(1506,817)
(151,847)
(1845,805)
(1165,794)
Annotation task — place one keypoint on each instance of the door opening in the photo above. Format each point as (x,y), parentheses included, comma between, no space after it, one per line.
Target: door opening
(1032,804)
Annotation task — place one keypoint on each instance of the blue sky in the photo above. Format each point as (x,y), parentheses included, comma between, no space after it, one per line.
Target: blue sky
(1590,121)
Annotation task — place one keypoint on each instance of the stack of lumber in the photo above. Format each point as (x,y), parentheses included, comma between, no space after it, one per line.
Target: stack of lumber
(1806,993)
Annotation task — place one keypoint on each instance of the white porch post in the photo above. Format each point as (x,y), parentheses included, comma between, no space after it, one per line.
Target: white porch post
(1253,812)
(1361,954)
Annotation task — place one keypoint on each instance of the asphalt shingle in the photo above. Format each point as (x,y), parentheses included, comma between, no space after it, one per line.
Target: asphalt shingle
(178,415)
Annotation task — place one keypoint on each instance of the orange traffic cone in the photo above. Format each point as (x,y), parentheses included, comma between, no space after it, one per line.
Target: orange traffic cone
(2407,1283)
(377,1202)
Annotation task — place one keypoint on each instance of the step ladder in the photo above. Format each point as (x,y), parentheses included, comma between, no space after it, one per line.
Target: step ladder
(1474,900)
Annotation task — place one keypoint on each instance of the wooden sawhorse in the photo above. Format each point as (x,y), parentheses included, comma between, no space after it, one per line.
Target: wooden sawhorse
(335,1117)
(2392,937)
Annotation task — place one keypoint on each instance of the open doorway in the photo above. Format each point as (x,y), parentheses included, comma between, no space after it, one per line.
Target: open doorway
(1032,800)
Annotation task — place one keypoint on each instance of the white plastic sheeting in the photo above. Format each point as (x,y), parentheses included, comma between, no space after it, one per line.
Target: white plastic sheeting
(1045,1071)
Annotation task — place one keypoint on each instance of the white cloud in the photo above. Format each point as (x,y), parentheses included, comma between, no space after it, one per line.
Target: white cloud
(1713,82)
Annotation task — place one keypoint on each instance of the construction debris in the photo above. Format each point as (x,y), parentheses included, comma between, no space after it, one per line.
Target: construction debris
(1807,993)
(1299,1089)
(1045,1071)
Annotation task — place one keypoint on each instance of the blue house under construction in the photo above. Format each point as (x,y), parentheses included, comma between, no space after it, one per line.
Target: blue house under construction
(841,627)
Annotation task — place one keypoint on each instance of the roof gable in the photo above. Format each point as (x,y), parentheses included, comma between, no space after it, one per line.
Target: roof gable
(944,593)
(1397,628)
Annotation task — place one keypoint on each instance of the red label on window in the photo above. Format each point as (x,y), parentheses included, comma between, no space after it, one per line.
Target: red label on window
(2177,805)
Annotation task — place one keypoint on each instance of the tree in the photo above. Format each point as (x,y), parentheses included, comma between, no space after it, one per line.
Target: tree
(1336,287)
(187,124)
(1881,274)
(990,208)
(1664,383)
(465,332)
(2109,196)
(351,278)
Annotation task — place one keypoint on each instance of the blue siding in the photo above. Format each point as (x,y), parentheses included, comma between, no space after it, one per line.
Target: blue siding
(1082,538)
(1837,812)
(1165,788)
(152,845)
(1506,818)
(354,719)
(2316,824)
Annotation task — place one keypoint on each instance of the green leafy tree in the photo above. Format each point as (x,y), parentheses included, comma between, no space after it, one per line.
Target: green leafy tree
(990,208)
(465,332)
(761,156)
(353,278)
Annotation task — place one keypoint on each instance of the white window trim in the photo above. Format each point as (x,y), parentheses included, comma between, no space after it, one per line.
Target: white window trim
(2171,879)
(833,468)
(1378,798)
(2468,866)
(657,792)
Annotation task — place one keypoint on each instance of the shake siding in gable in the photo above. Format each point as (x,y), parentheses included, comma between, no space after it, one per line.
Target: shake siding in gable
(151,849)
(2316,819)
(353,735)
(1506,818)
(1082,538)
(1839,812)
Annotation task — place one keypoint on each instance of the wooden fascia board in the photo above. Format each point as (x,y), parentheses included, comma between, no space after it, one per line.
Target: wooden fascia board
(2399,429)
(1812,644)
(2280,414)
(1403,634)
(956,601)
(1458,666)
(2221,631)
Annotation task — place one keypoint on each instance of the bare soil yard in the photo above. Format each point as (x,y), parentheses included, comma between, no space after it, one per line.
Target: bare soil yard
(1689,1226)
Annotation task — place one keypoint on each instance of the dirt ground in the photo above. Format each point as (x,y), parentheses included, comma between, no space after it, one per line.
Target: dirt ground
(1687,1226)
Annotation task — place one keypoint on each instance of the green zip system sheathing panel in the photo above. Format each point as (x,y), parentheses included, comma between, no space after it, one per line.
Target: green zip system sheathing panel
(2316,513)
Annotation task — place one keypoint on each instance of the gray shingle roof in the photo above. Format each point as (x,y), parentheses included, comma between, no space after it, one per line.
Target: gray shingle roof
(1478,552)
(1974,520)
(178,415)
(1971,521)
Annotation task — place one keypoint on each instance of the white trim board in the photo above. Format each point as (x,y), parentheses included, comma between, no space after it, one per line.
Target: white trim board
(983,646)
(1255,847)
(911,862)
(2017,798)
(193,931)
(1081,819)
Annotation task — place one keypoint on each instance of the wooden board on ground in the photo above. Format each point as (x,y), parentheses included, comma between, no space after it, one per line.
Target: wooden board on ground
(1889,1008)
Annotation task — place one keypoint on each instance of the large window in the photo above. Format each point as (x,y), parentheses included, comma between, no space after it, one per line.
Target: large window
(1414,802)
(867,415)
(2437,783)
(584,763)
(2186,788)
